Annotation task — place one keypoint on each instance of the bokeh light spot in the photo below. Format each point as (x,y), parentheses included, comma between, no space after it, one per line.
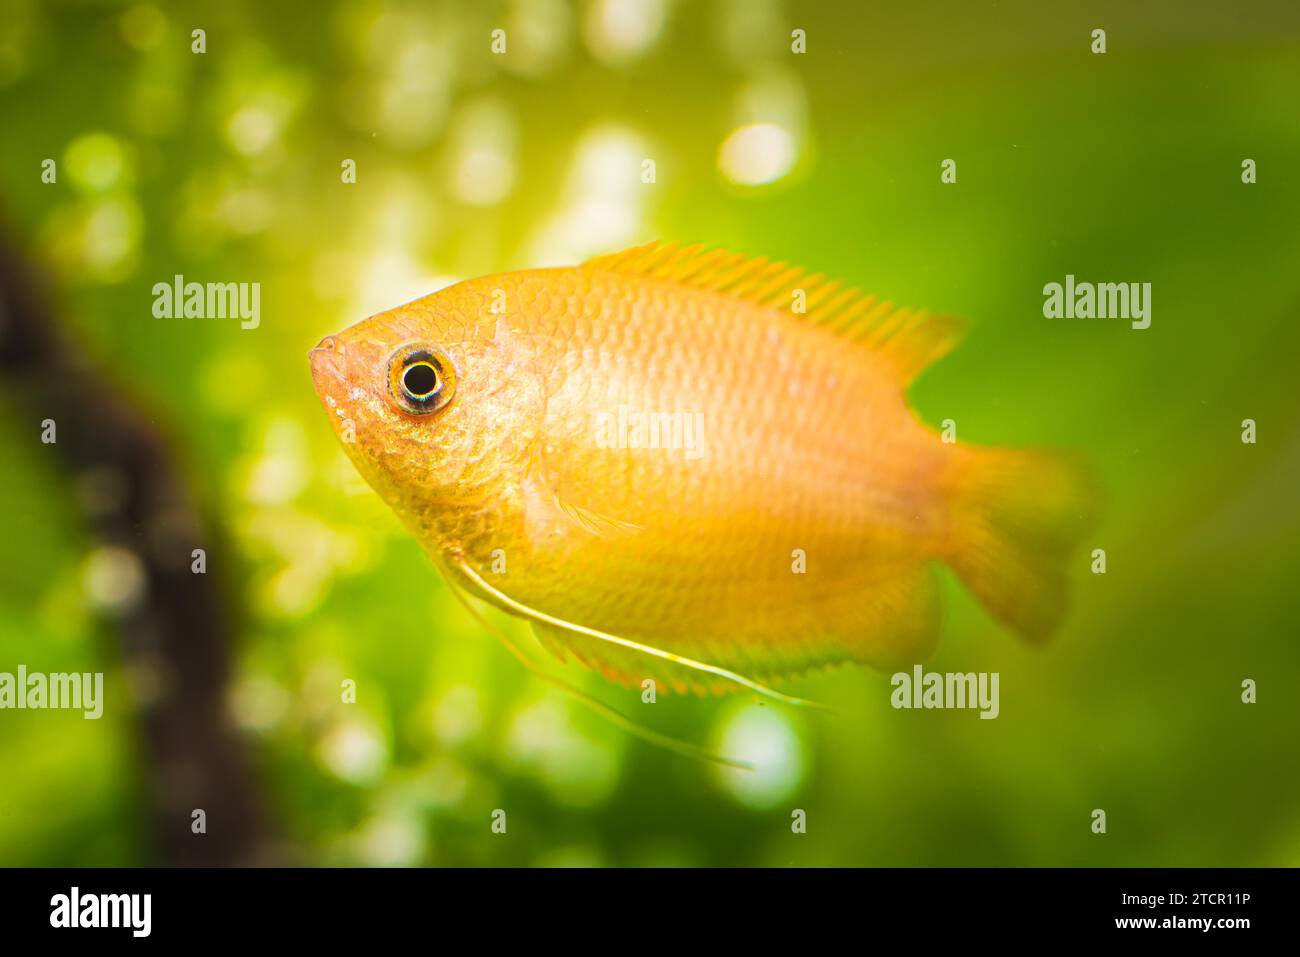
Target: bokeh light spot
(763,737)
(354,751)
(96,162)
(114,579)
(756,154)
(617,31)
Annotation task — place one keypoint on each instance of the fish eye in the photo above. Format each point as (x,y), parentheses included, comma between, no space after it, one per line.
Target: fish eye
(421,380)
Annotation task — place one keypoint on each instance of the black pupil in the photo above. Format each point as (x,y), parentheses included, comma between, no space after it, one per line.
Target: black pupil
(421,380)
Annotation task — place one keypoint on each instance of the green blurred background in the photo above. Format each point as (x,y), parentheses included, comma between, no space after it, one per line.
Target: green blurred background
(225,166)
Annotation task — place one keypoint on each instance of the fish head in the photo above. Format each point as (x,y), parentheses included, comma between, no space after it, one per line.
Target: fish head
(433,402)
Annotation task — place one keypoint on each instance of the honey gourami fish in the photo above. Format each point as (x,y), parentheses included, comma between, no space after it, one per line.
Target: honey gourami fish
(653,457)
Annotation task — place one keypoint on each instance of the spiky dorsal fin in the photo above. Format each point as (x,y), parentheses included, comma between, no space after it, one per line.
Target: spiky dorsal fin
(910,340)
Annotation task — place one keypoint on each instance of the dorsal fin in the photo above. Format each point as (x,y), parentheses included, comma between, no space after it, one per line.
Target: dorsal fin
(910,340)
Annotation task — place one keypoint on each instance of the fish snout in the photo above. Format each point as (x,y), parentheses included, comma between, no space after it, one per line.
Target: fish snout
(325,360)
(328,344)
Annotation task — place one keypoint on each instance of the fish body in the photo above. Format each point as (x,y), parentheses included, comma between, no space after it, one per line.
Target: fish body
(655,445)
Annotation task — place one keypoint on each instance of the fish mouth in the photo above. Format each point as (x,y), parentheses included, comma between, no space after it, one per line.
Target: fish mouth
(325,370)
(327,346)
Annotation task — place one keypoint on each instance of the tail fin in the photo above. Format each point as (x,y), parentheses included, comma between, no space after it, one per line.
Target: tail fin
(1018,516)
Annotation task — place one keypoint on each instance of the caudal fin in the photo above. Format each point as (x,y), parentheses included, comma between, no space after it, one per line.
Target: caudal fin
(1018,519)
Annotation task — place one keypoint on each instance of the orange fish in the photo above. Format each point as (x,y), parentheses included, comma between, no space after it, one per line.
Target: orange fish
(694,467)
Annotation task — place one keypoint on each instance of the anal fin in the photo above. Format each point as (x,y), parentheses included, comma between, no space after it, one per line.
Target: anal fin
(892,622)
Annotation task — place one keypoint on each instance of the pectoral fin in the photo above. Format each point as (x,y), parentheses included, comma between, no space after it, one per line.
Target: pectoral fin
(602,526)
(547,507)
